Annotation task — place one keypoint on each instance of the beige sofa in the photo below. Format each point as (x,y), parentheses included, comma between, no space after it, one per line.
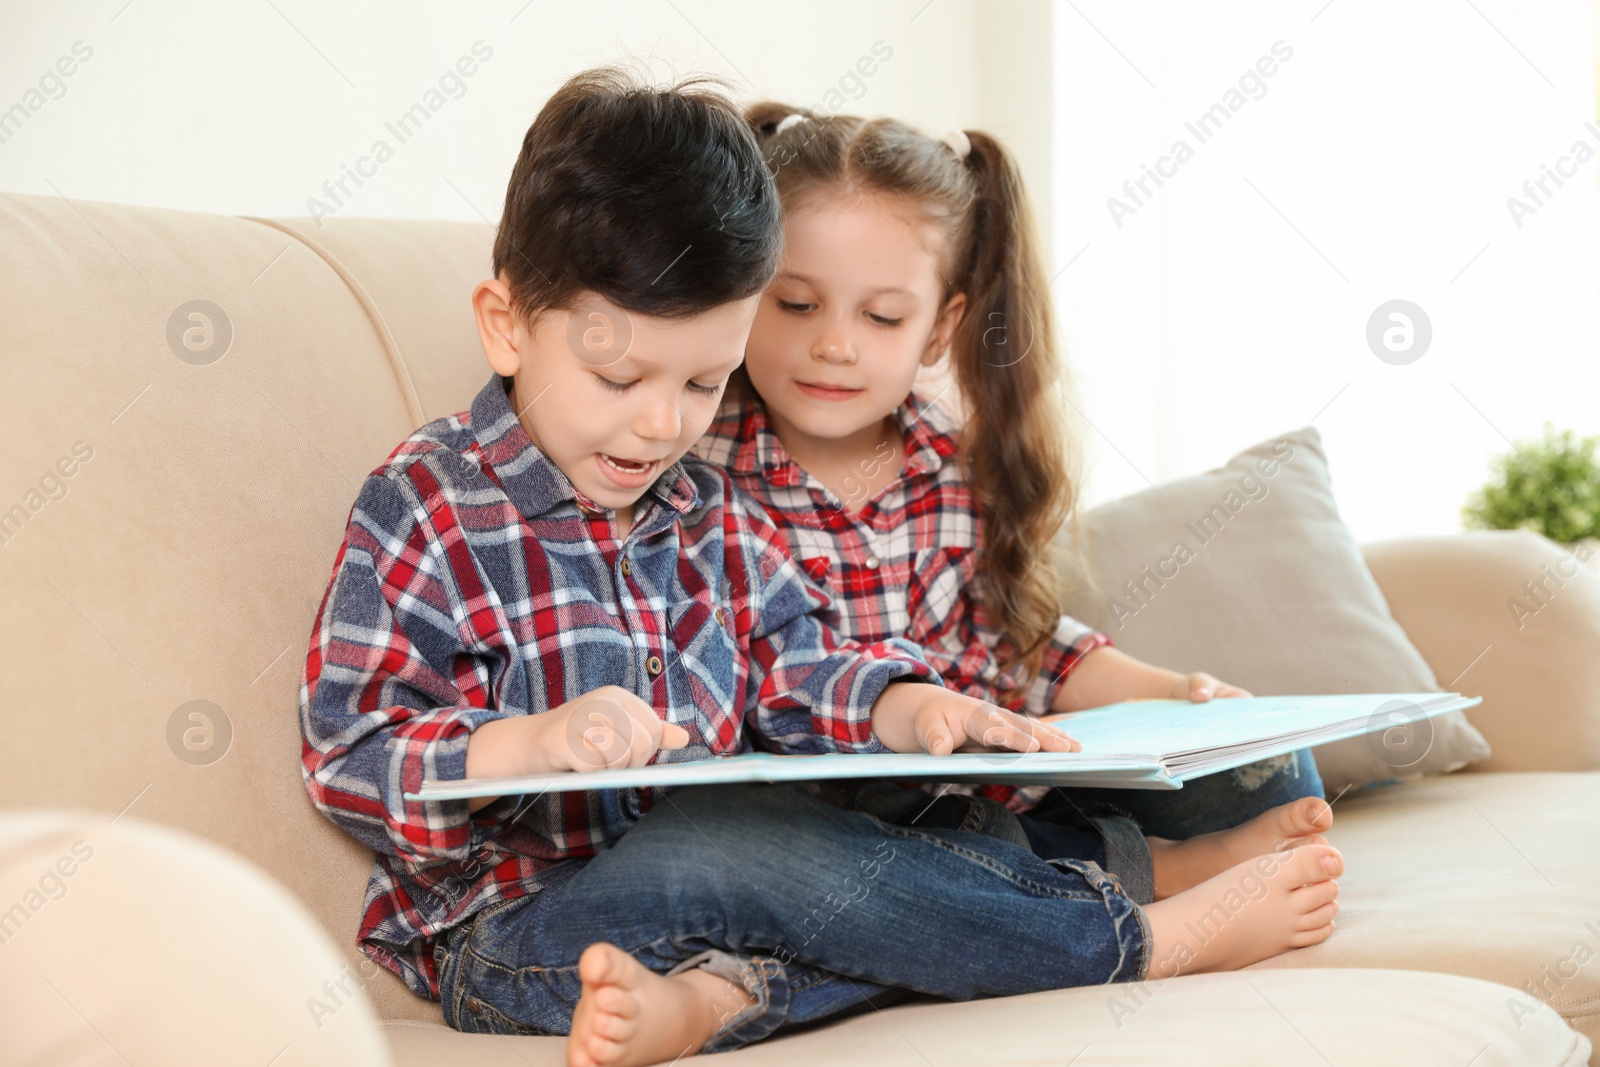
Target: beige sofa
(183,484)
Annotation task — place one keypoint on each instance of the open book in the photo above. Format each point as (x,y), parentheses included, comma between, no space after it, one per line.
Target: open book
(1139,744)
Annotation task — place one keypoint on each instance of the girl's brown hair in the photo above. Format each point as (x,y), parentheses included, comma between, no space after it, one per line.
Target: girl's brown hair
(1018,450)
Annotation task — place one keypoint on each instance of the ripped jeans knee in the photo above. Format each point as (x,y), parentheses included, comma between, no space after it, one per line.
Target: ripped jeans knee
(1253,776)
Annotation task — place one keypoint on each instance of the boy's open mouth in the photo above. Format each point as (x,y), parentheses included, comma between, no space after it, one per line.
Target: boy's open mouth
(626,473)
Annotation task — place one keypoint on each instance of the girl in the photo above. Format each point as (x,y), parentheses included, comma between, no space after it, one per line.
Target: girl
(898,249)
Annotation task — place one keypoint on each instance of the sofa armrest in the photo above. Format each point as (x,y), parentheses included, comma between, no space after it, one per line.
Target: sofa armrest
(1514,618)
(171,950)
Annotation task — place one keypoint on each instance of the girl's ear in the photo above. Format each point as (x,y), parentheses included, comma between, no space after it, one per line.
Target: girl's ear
(944,328)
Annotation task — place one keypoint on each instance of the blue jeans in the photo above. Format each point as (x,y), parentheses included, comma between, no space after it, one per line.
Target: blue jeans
(814,910)
(1089,831)
(1102,826)
(1215,802)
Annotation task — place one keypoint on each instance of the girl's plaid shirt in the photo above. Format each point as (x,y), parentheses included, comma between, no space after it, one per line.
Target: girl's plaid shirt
(902,564)
(474,583)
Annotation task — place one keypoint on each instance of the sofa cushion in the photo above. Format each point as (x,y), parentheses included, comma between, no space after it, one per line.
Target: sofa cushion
(1491,876)
(1374,1018)
(1247,572)
(1514,618)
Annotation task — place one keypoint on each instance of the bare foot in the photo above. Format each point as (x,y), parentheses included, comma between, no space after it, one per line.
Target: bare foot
(629,1015)
(1180,865)
(1257,909)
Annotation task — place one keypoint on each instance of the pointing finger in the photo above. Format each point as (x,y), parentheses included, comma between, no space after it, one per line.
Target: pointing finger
(673,736)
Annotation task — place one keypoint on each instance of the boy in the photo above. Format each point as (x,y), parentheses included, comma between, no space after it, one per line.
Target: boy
(538,584)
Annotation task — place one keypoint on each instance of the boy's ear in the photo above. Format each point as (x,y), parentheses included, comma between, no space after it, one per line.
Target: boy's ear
(498,326)
(944,328)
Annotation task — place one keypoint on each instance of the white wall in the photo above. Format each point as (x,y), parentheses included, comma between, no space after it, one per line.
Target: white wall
(1377,164)
(249,106)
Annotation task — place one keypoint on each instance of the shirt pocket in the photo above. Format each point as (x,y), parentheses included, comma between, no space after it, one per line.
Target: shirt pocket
(708,673)
(819,569)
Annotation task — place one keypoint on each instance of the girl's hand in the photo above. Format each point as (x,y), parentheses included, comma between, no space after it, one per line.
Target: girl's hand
(918,717)
(1201,687)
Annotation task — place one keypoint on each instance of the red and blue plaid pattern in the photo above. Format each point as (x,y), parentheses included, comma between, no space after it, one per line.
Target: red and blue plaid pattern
(475,583)
(902,564)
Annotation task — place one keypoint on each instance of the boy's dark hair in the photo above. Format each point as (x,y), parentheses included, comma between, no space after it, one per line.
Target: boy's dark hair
(656,198)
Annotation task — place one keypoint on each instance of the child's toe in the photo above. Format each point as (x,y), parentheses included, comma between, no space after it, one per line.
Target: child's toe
(1314,863)
(614,1028)
(603,964)
(1317,918)
(1308,815)
(1307,938)
(616,1001)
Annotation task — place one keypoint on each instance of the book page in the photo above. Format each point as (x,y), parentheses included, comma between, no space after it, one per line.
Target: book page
(1165,728)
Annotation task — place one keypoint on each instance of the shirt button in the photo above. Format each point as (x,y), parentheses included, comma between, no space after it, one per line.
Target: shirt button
(627,568)
(722,617)
(653,665)
(873,562)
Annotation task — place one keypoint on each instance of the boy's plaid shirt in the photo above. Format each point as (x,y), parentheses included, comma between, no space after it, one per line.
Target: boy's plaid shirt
(475,584)
(903,564)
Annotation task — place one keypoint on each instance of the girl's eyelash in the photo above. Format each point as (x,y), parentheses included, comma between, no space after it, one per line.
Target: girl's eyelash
(801,308)
(705,390)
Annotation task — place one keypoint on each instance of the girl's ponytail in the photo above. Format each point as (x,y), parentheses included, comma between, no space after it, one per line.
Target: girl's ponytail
(1015,440)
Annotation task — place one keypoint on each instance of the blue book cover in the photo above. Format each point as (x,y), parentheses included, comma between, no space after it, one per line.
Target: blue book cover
(1138,744)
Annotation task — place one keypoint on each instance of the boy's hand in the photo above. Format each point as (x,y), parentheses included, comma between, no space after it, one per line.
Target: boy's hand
(917,717)
(1201,687)
(607,729)
(601,730)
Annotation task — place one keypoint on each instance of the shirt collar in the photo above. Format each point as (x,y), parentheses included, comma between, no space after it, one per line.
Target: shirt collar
(929,441)
(930,435)
(531,479)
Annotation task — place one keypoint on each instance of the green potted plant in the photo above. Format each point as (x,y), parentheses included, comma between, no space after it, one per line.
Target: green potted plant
(1550,486)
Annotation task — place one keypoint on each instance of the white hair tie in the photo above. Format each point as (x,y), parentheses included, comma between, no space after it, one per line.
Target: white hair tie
(788,121)
(959,143)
